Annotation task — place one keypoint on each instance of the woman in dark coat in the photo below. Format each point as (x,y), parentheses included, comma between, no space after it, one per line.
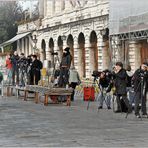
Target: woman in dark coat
(35,70)
(120,86)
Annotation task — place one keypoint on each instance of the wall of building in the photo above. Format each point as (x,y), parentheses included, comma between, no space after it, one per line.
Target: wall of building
(77,26)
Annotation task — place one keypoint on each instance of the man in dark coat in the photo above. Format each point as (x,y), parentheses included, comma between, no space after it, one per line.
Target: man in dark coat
(120,86)
(15,70)
(64,68)
(35,70)
(140,81)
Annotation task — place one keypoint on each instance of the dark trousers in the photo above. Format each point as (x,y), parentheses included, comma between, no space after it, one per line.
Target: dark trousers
(15,75)
(73,85)
(140,99)
(35,76)
(124,104)
(63,79)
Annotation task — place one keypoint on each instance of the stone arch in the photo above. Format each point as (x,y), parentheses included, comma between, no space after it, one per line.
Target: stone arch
(60,47)
(81,55)
(70,43)
(93,51)
(43,50)
(51,50)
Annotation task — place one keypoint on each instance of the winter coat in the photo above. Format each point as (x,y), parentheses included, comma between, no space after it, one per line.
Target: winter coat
(66,61)
(120,82)
(137,77)
(129,78)
(74,76)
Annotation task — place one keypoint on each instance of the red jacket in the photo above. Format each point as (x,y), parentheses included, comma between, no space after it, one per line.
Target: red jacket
(8,64)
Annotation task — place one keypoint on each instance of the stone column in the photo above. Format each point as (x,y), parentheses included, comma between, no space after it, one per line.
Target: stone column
(62,5)
(106,55)
(23,48)
(81,59)
(41,8)
(75,46)
(26,47)
(134,54)
(68,5)
(53,6)
(30,45)
(87,58)
(45,8)
(57,6)
(18,47)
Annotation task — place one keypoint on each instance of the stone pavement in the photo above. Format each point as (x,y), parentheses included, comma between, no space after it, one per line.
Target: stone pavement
(26,124)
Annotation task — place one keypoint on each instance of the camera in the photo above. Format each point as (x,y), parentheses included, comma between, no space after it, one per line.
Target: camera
(142,73)
(54,53)
(96,74)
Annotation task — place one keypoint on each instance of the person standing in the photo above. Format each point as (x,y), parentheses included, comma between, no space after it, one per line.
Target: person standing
(104,95)
(22,65)
(129,85)
(140,80)
(120,86)
(35,70)
(74,80)
(15,70)
(64,68)
(9,69)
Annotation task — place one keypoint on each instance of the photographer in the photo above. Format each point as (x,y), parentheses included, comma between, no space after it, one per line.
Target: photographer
(104,85)
(120,86)
(140,81)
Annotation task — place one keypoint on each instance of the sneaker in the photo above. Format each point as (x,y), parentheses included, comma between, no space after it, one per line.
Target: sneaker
(108,107)
(100,107)
(138,115)
(145,115)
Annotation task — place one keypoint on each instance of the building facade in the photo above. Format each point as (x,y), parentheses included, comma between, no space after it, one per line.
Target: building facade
(79,24)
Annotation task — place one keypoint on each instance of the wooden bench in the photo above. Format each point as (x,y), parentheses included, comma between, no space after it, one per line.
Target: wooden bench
(48,92)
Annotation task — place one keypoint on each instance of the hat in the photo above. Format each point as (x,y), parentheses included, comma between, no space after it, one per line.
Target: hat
(145,63)
(119,64)
(67,49)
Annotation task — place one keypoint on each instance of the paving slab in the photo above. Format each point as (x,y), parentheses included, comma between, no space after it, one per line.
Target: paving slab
(26,124)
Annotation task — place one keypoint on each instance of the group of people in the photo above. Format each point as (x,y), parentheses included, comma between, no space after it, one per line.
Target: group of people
(126,83)
(130,88)
(23,70)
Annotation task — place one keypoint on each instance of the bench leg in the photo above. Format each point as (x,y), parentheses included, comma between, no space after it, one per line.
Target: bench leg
(46,100)
(36,97)
(25,95)
(8,91)
(68,103)
(17,93)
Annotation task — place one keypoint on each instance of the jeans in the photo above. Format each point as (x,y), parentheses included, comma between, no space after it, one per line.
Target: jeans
(104,96)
